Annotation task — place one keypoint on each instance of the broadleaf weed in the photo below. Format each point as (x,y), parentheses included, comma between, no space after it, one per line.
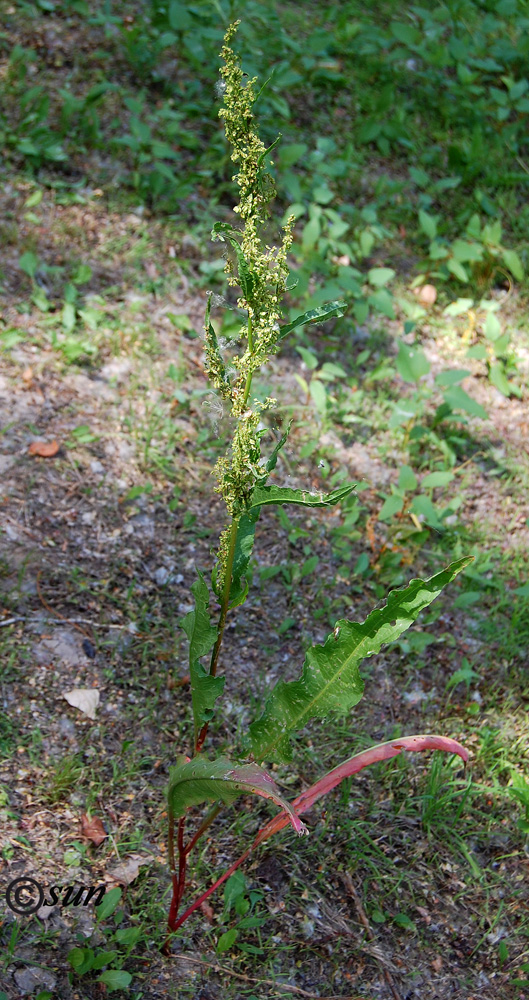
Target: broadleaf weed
(330,682)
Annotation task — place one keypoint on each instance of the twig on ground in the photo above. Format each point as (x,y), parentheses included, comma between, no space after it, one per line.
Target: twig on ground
(57,613)
(279,987)
(53,621)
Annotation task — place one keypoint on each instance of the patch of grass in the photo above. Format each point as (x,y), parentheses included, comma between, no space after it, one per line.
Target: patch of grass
(63,776)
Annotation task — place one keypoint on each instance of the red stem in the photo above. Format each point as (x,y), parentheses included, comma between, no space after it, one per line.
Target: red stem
(182,856)
(187,913)
(303,802)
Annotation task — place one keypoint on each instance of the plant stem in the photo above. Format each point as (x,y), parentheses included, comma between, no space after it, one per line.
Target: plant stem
(206,822)
(183,851)
(170,844)
(248,385)
(191,909)
(182,857)
(222,620)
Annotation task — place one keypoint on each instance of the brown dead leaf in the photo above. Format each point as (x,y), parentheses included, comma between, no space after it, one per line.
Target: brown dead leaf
(93,829)
(207,911)
(44,449)
(126,872)
(437,963)
(27,375)
(85,699)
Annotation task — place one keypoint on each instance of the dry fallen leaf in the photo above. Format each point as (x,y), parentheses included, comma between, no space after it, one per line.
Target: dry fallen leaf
(44,449)
(93,829)
(437,963)
(208,912)
(27,374)
(427,294)
(126,872)
(85,699)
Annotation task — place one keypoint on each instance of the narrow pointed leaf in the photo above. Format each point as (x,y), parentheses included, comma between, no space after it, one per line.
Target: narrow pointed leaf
(224,231)
(261,159)
(202,635)
(318,315)
(382,751)
(272,461)
(330,681)
(213,356)
(200,780)
(284,494)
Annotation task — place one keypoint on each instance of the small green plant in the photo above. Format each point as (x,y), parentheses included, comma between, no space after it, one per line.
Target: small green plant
(119,942)
(330,682)
(519,790)
(478,256)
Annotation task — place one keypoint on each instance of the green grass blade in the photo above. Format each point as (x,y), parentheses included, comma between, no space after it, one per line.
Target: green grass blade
(330,681)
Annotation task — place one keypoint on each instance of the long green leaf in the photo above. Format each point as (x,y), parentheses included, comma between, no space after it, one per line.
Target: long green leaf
(284,494)
(319,315)
(192,782)
(201,634)
(241,559)
(330,681)
(214,357)
(272,461)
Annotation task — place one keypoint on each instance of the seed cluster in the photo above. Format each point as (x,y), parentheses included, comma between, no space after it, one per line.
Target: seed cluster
(260,271)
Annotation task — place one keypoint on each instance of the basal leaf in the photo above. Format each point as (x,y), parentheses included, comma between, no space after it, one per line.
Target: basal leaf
(284,494)
(192,782)
(330,681)
(205,689)
(382,751)
(318,315)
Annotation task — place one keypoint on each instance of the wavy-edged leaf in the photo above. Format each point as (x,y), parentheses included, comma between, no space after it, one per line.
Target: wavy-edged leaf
(224,231)
(192,782)
(382,751)
(330,681)
(241,559)
(284,494)
(205,689)
(318,315)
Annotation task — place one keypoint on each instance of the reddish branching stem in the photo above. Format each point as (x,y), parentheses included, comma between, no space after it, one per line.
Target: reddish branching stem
(303,802)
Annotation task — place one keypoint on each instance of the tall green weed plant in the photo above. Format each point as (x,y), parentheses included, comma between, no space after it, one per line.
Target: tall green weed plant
(329,683)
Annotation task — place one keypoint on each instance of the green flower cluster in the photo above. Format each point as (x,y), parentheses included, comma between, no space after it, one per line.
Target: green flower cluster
(260,271)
